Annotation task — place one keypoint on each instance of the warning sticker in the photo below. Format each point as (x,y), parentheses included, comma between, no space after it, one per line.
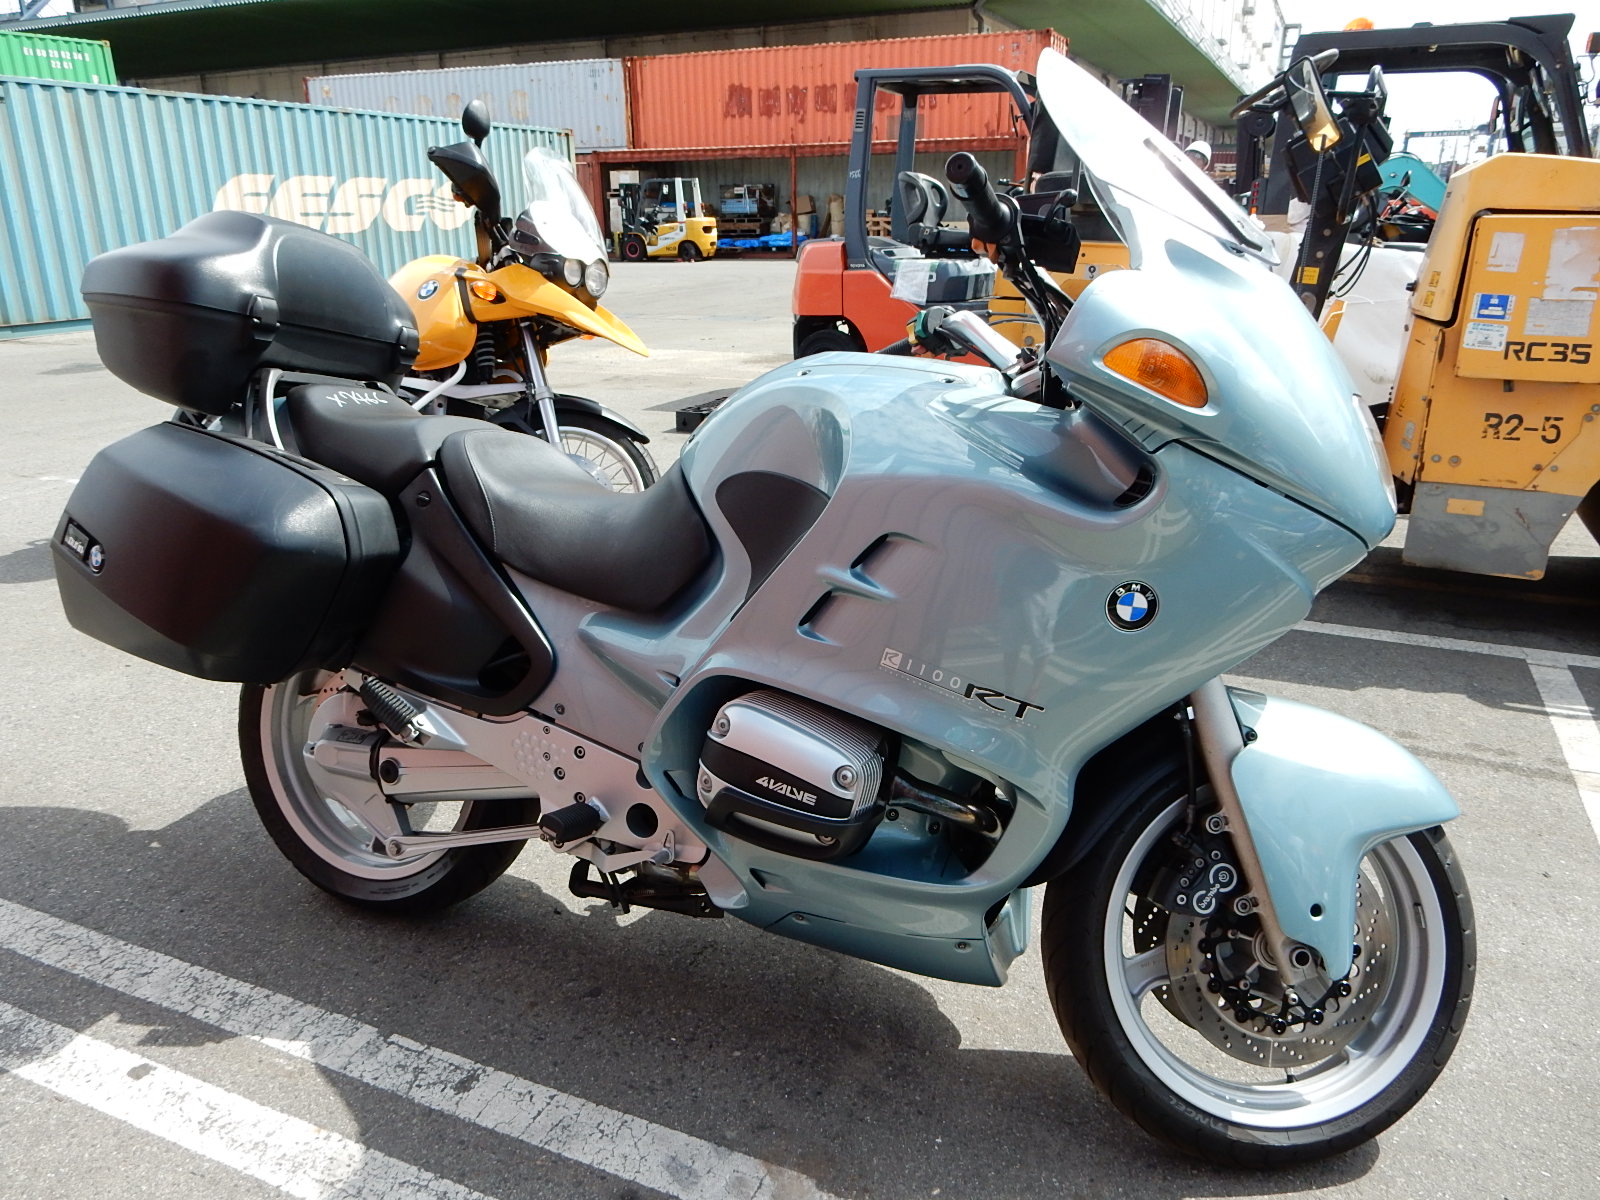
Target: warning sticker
(1484,335)
(1492,306)
(1558,318)
(1505,251)
(1574,259)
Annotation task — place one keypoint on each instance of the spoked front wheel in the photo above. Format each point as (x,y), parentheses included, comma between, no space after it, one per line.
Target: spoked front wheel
(607,453)
(332,825)
(1179,1020)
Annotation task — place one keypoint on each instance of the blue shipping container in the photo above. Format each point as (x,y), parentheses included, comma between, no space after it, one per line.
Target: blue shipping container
(87,169)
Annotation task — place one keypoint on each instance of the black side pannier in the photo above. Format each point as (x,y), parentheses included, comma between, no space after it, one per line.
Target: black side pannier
(220,557)
(189,318)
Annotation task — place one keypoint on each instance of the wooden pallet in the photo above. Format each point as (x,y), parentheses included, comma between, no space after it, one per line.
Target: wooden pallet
(877,226)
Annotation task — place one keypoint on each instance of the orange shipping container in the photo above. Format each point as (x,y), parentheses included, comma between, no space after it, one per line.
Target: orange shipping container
(781,96)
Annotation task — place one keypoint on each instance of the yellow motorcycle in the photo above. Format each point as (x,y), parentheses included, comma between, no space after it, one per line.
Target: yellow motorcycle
(486,327)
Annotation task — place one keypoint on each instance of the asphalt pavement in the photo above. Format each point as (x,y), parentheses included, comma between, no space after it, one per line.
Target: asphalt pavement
(182,1016)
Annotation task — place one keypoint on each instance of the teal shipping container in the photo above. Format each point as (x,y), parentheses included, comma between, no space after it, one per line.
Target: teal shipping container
(63,59)
(85,169)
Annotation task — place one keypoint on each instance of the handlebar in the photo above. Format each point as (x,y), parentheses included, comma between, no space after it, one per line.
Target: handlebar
(989,217)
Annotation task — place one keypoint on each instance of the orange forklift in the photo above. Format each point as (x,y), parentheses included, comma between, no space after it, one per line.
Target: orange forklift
(858,292)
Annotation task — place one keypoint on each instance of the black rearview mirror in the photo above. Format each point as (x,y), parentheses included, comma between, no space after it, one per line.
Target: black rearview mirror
(1310,104)
(475,121)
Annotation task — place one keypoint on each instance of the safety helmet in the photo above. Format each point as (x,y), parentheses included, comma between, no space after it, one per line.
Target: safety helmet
(1200,152)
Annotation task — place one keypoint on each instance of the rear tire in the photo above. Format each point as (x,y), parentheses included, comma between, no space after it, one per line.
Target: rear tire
(1135,1021)
(689,252)
(325,841)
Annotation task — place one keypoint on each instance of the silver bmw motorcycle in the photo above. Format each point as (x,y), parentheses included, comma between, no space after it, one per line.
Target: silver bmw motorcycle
(897,641)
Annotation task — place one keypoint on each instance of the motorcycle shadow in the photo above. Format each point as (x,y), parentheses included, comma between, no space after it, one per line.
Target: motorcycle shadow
(846,1072)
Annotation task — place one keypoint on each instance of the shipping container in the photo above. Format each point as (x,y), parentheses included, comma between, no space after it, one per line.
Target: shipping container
(87,169)
(586,96)
(783,96)
(66,59)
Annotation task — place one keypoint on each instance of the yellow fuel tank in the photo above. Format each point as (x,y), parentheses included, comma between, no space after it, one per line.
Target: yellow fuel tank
(435,289)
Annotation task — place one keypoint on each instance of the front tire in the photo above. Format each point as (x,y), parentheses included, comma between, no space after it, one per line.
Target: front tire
(326,840)
(1136,1005)
(824,341)
(606,452)
(632,248)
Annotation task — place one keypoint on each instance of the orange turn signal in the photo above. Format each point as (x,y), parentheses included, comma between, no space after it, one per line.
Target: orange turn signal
(484,290)
(1161,367)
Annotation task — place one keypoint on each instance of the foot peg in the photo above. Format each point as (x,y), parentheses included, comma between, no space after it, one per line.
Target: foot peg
(393,711)
(571,824)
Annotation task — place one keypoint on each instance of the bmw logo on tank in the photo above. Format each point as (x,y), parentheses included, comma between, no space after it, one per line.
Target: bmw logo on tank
(1132,606)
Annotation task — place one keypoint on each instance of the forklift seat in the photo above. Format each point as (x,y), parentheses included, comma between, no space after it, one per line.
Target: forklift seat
(950,280)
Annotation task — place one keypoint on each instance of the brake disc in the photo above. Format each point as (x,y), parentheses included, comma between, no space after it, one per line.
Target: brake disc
(1213,964)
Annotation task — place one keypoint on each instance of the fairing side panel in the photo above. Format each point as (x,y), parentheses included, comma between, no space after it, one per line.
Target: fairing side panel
(954,589)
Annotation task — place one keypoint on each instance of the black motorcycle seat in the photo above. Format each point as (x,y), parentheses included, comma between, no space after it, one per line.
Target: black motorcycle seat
(372,436)
(542,514)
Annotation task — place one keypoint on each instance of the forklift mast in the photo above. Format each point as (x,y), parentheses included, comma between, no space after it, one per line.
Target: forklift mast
(1525,59)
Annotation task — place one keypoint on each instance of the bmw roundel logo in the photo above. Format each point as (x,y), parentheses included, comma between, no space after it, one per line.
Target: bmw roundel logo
(96,558)
(1132,605)
(427,289)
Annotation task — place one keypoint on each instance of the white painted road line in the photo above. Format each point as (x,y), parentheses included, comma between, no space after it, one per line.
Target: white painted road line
(1569,712)
(1575,730)
(651,1155)
(294,1156)
(1530,654)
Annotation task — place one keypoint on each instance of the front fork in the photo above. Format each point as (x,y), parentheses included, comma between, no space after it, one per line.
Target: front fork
(1220,741)
(539,387)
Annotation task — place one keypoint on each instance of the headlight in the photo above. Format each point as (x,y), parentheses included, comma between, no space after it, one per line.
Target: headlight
(596,278)
(572,271)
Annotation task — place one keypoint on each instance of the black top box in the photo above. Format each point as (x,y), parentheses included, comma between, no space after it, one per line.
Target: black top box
(190,318)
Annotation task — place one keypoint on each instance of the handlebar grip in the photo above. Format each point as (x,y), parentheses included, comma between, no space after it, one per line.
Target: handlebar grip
(990,220)
(904,347)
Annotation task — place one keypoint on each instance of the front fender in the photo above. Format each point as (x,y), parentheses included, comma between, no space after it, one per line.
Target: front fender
(569,403)
(1319,791)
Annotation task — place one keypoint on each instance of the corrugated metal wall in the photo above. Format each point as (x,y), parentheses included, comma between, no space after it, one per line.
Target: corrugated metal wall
(84,170)
(586,96)
(805,95)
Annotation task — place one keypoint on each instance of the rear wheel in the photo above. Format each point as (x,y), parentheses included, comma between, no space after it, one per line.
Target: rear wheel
(689,252)
(633,248)
(1173,1016)
(331,832)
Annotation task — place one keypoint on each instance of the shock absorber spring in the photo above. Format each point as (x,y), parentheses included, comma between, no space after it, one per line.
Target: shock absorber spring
(483,357)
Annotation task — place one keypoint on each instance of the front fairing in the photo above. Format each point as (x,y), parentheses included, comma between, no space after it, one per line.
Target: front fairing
(1281,406)
(520,291)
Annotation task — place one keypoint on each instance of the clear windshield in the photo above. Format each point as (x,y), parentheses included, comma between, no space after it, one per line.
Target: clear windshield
(1134,169)
(557,208)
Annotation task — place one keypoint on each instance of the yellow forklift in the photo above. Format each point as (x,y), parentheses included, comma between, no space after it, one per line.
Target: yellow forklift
(664,218)
(1491,431)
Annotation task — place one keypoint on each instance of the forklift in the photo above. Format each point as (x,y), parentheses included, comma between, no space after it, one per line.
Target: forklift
(663,218)
(1491,431)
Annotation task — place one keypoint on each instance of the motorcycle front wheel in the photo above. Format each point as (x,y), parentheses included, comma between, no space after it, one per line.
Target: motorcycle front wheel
(331,834)
(1150,1000)
(614,459)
